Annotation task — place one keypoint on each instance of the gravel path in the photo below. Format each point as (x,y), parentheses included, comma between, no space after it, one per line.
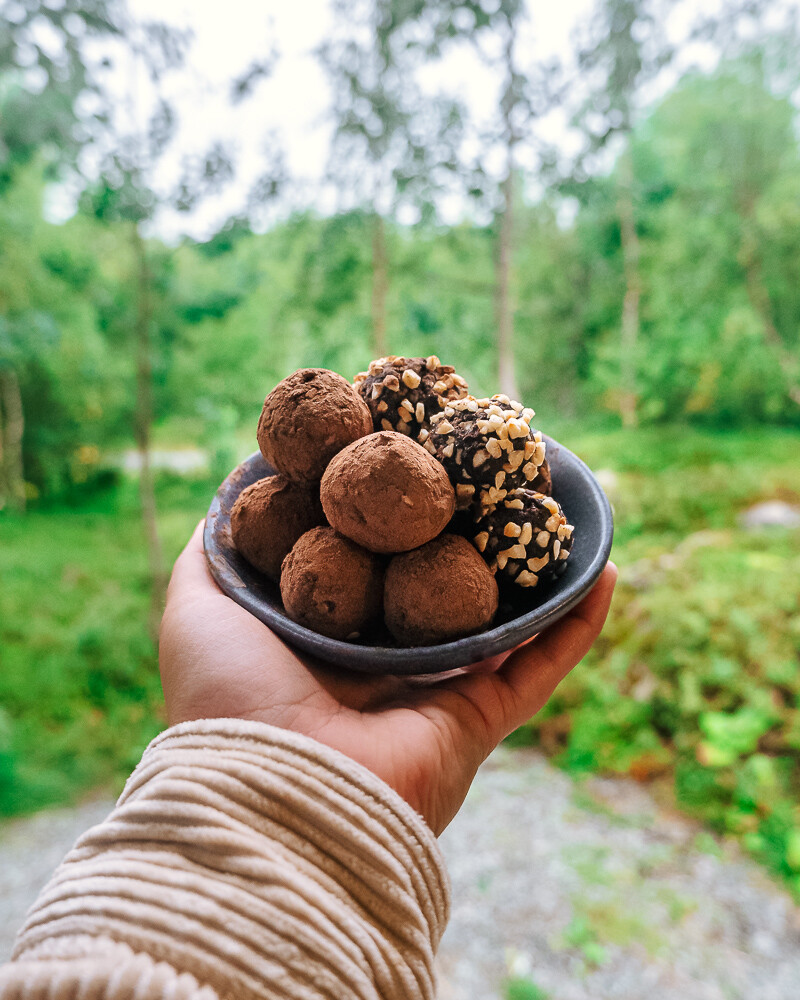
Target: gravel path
(585,890)
(591,891)
(29,851)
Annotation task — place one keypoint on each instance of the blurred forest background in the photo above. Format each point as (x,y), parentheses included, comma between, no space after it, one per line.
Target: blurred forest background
(615,240)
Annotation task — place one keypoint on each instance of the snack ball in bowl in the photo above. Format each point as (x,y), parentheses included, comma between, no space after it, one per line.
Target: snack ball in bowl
(331,585)
(487,447)
(526,537)
(442,590)
(387,493)
(307,419)
(404,393)
(268,518)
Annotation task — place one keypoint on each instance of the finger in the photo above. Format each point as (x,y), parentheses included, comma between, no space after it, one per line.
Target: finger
(496,704)
(190,571)
(532,674)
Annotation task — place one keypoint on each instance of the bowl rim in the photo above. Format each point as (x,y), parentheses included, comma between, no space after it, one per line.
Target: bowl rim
(411,660)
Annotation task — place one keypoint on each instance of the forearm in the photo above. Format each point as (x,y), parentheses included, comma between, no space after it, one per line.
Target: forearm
(241,860)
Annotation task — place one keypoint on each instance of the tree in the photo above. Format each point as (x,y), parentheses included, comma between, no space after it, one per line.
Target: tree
(726,150)
(528,90)
(134,141)
(624,48)
(40,90)
(391,147)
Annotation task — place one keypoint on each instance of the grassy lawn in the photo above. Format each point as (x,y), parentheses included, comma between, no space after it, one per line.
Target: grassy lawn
(695,684)
(79,689)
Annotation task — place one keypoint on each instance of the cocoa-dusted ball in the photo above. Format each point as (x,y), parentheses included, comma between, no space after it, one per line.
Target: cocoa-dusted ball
(487,447)
(526,537)
(268,518)
(438,592)
(387,493)
(403,393)
(306,419)
(331,585)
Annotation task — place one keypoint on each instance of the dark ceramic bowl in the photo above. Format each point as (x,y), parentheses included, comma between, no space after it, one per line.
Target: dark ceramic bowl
(522,612)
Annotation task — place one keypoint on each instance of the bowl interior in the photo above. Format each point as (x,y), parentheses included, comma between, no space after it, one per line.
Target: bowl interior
(522,613)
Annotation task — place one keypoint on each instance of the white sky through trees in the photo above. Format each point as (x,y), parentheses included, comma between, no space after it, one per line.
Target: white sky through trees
(289,109)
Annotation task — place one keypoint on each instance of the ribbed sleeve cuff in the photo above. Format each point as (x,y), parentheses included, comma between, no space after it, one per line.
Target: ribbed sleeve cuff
(254,862)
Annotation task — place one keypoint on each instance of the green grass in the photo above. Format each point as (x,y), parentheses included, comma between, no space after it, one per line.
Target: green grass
(79,689)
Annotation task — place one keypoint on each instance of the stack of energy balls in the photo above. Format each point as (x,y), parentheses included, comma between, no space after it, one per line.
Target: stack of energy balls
(400,498)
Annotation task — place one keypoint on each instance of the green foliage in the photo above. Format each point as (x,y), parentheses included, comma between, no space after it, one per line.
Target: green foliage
(696,674)
(580,935)
(523,988)
(79,683)
(720,316)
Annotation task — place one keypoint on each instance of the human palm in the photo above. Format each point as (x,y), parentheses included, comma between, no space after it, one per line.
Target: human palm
(426,742)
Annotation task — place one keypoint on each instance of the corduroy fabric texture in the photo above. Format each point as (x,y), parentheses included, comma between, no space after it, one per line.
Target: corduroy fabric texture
(241,861)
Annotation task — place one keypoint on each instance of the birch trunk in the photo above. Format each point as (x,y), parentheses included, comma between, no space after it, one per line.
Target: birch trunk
(504,306)
(380,286)
(13,427)
(503,298)
(143,420)
(759,298)
(629,332)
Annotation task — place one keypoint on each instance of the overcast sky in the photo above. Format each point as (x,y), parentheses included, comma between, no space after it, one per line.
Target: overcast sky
(229,34)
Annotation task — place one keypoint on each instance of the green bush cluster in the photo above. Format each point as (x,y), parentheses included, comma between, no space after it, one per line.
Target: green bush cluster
(696,675)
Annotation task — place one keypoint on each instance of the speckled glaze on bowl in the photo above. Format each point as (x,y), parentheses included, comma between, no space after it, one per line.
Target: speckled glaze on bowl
(522,613)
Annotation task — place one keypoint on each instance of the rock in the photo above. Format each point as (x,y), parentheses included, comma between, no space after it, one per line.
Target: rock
(770,514)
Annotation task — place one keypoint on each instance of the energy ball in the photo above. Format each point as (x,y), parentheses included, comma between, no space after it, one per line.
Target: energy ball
(543,483)
(387,493)
(441,591)
(487,447)
(331,585)
(268,518)
(526,537)
(404,393)
(306,419)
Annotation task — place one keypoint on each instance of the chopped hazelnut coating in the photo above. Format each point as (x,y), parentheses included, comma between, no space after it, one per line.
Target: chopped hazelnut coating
(404,393)
(488,444)
(525,536)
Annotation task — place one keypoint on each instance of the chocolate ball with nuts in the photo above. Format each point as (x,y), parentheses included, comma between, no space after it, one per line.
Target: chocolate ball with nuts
(387,493)
(404,393)
(307,419)
(543,483)
(331,585)
(268,518)
(487,447)
(440,591)
(526,537)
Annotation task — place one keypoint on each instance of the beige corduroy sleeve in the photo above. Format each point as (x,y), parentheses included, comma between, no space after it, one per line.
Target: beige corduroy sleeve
(241,861)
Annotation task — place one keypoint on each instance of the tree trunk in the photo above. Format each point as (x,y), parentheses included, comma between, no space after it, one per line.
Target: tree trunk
(4,497)
(629,332)
(503,304)
(760,301)
(380,286)
(143,420)
(12,431)
(504,307)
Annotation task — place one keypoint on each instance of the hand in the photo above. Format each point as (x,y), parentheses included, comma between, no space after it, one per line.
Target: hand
(218,661)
